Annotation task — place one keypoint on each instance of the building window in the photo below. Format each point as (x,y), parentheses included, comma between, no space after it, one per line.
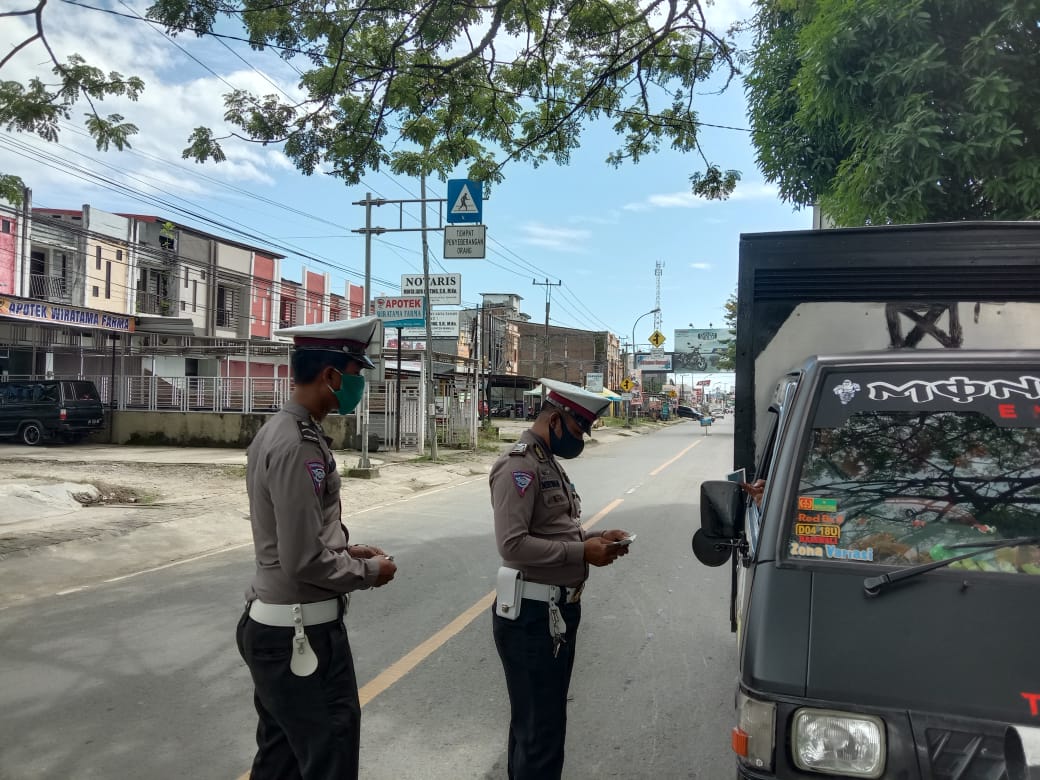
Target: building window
(97,292)
(185,278)
(97,258)
(287,317)
(119,256)
(226,306)
(108,279)
(194,296)
(5,226)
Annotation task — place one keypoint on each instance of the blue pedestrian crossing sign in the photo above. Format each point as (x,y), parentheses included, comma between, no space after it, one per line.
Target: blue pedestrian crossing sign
(465,201)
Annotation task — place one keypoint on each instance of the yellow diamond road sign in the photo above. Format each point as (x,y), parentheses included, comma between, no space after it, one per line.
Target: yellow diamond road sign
(657,338)
(626,384)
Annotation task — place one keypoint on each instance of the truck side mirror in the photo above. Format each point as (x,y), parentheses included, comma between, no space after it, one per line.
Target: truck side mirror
(722,509)
(710,551)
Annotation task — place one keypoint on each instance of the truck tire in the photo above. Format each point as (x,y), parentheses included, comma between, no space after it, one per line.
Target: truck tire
(31,433)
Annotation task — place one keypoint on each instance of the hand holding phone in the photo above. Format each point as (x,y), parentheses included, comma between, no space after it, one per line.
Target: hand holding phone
(623,542)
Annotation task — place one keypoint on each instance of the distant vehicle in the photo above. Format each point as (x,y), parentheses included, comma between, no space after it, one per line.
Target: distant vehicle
(39,411)
(688,412)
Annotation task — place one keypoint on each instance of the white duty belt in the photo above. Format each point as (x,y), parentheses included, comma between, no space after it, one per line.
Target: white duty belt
(551,593)
(296,616)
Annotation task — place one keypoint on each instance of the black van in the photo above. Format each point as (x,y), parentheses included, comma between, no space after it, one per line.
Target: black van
(39,410)
(885,588)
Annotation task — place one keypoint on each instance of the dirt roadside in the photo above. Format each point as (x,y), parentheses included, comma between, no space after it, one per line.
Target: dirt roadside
(187,503)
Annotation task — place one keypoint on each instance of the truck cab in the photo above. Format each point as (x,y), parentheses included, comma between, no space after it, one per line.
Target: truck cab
(885,586)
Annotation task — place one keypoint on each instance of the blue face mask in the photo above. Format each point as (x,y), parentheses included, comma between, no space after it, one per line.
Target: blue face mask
(351,388)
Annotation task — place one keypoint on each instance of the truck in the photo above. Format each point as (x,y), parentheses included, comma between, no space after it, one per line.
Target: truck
(882,521)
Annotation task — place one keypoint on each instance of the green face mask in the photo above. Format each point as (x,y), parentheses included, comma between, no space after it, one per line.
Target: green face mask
(351,388)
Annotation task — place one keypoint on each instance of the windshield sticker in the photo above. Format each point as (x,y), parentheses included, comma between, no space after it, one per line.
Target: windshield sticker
(831,551)
(817,533)
(846,391)
(959,389)
(812,504)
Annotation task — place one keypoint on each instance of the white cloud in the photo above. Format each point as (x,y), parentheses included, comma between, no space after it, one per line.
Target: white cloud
(179,96)
(701,266)
(608,218)
(687,200)
(559,239)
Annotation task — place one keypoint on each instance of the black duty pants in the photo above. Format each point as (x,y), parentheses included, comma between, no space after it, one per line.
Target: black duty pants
(537,684)
(309,727)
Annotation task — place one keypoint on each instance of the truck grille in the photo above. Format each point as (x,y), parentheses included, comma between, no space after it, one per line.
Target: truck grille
(959,755)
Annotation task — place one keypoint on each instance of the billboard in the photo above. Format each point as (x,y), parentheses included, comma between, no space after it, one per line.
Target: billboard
(651,362)
(443,325)
(698,349)
(401,312)
(445,289)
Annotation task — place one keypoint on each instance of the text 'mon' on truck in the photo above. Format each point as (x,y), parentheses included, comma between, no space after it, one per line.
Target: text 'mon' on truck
(886,589)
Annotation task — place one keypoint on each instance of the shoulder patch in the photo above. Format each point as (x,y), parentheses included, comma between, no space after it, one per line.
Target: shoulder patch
(522,480)
(317,471)
(519,448)
(308,432)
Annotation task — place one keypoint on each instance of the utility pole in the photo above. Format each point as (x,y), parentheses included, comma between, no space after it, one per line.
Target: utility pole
(364,468)
(545,351)
(430,378)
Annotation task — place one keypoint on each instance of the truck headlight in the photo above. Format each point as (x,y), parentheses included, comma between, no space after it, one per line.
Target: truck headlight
(752,738)
(839,743)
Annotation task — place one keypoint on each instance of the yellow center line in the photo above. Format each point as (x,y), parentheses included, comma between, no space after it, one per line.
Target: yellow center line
(666,464)
(393,673)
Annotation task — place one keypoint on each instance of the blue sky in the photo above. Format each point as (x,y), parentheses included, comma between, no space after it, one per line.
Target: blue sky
(598,229)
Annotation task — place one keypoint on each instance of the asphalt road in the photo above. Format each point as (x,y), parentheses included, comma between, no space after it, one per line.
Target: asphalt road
(140,678)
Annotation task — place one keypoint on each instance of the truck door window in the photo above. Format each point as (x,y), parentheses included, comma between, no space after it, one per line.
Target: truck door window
(753,518)
(901,470)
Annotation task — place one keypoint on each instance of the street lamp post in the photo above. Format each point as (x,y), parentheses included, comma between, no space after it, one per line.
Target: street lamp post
(652,311)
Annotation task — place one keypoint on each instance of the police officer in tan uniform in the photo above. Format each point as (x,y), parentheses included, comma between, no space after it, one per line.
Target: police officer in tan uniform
(292,635)
(546,556)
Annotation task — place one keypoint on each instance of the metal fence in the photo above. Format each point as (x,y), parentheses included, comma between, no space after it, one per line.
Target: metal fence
(265,395)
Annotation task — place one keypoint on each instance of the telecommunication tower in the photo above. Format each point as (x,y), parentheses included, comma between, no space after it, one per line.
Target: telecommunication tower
(658,272)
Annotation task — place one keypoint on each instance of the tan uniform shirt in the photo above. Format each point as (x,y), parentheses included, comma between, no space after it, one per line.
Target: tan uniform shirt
(294,507)
(537,515)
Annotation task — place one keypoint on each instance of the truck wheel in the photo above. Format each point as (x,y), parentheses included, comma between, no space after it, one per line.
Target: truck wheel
(31,434)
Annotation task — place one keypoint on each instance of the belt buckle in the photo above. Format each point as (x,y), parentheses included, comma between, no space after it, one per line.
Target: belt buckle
(574,594)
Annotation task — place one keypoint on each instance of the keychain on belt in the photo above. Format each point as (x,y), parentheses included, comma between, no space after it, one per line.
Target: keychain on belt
(557,627)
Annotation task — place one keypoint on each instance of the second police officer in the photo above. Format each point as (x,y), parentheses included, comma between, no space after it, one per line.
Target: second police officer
(546,556)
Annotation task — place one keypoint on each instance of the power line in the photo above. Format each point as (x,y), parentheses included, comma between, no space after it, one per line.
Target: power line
(220,37)
(84,174)
(160,257)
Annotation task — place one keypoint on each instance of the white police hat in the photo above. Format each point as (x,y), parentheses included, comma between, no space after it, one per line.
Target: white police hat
(585,406)
(351,337)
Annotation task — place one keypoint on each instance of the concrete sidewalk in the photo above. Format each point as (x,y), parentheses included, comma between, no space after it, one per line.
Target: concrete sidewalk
(509,431)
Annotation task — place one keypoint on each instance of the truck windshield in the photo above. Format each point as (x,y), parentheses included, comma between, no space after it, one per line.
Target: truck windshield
(896,477)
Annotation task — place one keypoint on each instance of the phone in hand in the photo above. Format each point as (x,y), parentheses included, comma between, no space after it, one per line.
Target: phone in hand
(624,542)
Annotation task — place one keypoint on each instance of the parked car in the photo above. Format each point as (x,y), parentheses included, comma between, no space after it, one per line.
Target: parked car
(38,411)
